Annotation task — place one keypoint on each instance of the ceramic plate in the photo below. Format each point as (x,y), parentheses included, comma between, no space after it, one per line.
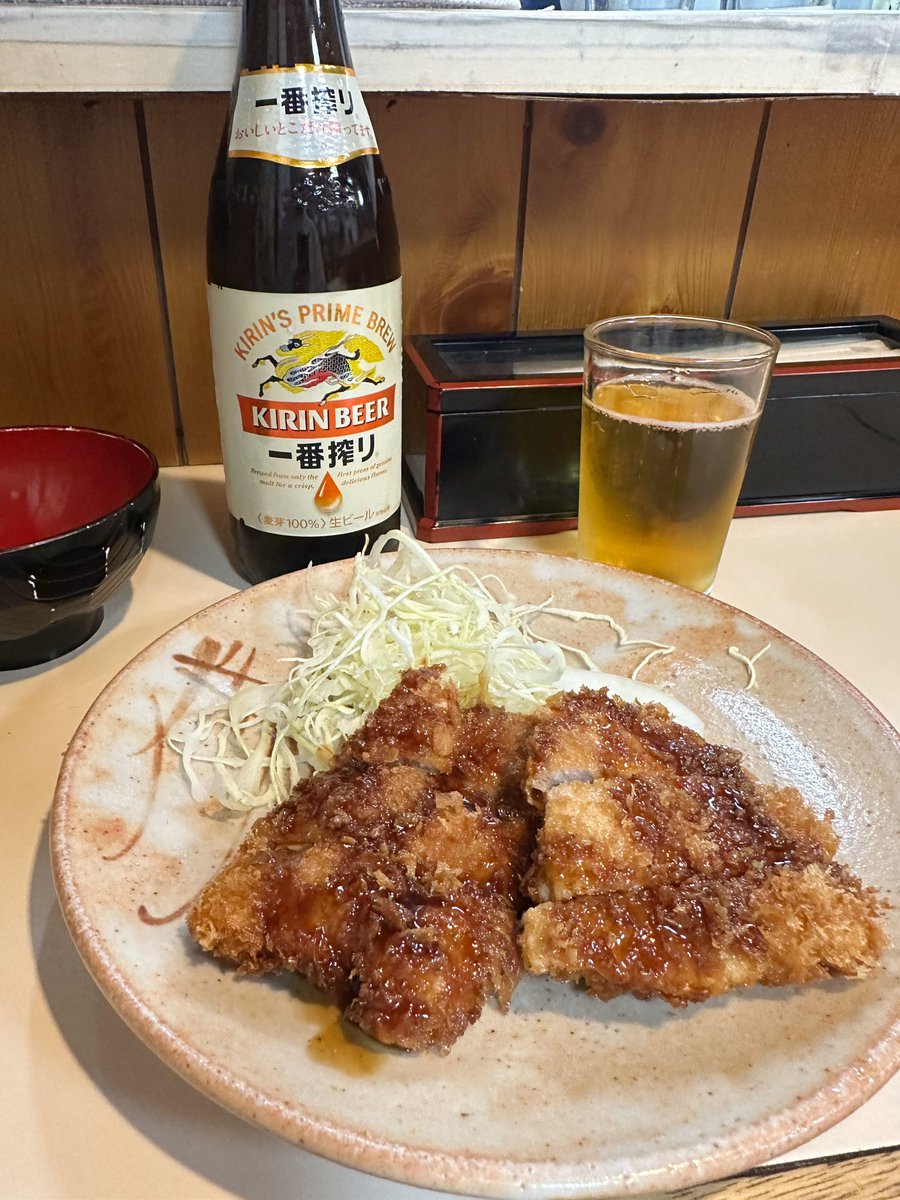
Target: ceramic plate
(563,1094)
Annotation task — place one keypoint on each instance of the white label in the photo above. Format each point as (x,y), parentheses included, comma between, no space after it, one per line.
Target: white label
(303,116)
(308,391)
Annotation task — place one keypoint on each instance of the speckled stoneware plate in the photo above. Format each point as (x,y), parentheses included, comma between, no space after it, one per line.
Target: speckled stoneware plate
(563,1095)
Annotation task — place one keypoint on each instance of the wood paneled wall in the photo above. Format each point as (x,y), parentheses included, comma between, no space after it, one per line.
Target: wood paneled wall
(513,214)
(822,238)
(455,166)
(182,137)
(633,208)
(80,308)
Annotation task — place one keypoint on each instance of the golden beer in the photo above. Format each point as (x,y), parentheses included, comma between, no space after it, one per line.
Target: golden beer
(662,463)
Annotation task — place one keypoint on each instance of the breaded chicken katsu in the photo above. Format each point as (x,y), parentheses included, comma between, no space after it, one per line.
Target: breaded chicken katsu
(663,868)
(656,864)
(705,936)
(392,881)
(632,799)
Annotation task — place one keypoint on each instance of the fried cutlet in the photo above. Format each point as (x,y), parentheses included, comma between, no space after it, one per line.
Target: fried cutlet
(632,799)
(419,723)
(664,868)
(661,867)
(392,885)
(705,936)
(491,753)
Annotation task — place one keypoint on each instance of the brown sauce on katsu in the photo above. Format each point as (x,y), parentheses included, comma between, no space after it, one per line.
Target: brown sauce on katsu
(399,882)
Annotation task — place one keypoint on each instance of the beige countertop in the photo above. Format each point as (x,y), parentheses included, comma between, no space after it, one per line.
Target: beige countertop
(89,1112)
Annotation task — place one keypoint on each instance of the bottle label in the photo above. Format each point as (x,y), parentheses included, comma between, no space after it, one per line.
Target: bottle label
(302,116)
(308,391)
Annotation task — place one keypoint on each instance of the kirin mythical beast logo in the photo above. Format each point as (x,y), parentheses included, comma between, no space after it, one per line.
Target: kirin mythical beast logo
(331,357)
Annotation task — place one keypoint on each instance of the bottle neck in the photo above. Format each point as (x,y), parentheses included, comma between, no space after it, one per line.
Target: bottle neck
(281,33)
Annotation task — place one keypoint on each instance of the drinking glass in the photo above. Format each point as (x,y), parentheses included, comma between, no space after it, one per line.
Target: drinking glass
(670,409)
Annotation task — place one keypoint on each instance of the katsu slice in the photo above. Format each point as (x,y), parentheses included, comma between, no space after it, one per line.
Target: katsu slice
(296,890)
(491,753)
(705,937)
(663,868)
(632,799)
(421,724)
(444,935)
(409,920)
(418,724)
(431,966)
(391,890)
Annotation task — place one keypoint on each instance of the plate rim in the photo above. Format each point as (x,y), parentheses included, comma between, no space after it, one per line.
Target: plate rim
(813,1113)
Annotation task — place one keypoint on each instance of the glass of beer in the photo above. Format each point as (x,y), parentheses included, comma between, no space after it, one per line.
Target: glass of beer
(669,414)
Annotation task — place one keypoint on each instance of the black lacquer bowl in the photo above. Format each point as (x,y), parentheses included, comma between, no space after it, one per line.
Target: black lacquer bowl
(77,511)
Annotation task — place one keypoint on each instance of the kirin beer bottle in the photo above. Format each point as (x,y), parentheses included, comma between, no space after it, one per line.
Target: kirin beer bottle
(304,299)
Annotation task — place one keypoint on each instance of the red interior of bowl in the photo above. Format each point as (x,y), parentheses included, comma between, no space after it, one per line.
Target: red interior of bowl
(54,480)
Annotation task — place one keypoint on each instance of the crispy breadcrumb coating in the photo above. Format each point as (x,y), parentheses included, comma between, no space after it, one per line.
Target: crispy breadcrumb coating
(664,868)
(392,882)
(657,864)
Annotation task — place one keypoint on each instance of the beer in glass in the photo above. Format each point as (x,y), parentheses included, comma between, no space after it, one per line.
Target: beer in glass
(670,410)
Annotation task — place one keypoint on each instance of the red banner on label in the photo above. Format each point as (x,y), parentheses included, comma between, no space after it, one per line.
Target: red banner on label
(292,419)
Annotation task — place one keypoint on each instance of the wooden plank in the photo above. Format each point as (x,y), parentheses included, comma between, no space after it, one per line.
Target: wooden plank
(633,207)
(183,134)
(149,47)
(454,164)
(822,238)
(80,304)
(866,1177)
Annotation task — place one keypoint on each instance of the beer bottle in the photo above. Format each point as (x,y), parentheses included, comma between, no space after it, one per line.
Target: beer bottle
(304,299)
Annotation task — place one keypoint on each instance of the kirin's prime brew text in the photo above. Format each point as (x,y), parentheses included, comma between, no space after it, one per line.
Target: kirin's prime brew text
(304,299)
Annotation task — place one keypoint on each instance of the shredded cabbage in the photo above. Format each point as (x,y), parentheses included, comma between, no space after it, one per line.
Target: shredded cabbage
(402,610)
